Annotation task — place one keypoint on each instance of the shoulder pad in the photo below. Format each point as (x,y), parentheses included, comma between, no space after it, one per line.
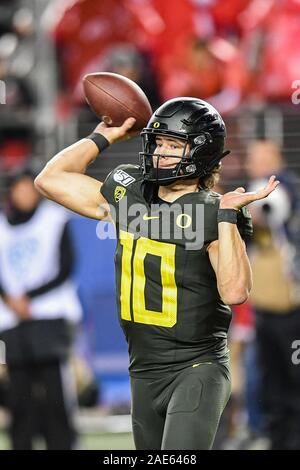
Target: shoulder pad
(126,174)
(120,180)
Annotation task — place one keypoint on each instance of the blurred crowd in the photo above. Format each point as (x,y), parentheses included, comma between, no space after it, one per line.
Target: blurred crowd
(238,55)
(225,52)
(235,53)
(17,59)
(266,376)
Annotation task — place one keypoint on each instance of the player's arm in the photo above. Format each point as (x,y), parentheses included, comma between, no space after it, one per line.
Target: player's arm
(228,254)
(63,179)
(231,264)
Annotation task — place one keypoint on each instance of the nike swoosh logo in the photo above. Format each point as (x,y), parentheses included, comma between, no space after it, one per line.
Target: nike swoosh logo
(150,217)
(200,363)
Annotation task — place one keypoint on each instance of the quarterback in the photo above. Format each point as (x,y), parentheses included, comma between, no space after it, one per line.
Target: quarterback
(173,297)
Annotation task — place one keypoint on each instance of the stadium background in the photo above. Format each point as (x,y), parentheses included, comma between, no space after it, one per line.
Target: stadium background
(238,54)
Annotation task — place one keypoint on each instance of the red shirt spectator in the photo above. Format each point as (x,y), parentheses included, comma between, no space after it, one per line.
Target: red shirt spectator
(272,28)
(211,70)
(86,28)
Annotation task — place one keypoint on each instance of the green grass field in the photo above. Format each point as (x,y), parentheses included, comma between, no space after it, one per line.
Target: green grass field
(99,441)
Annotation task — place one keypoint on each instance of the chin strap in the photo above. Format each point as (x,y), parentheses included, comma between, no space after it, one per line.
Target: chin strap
(225,153)
(214,162)
(159,173)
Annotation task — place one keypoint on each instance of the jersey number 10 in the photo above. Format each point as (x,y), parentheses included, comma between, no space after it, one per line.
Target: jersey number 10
(144,246)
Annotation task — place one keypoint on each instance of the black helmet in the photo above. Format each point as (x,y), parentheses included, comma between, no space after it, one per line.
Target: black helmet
(197,123)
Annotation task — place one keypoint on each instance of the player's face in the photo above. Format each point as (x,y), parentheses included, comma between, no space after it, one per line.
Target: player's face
(166,146)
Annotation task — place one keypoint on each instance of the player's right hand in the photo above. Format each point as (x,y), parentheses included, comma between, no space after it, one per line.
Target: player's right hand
(116,134)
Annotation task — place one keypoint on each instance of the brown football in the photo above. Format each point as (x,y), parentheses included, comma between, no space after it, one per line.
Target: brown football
(114,98)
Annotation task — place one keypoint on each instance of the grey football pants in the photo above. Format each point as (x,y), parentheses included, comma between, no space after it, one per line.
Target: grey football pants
(181,410)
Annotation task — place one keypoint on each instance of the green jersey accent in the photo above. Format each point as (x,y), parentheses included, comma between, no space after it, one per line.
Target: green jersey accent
(168,302)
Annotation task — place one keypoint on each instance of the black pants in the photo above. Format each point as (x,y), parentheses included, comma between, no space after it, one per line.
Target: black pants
(280,388)
(180,411)
(40,405)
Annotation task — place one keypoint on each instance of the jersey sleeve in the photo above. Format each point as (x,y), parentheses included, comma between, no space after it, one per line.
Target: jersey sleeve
(210,227)
(118,182)
(107,188)
(244,223)
(211,206)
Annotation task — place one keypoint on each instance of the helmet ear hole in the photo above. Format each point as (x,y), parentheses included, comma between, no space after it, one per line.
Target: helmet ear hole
(203,139)
(200,140)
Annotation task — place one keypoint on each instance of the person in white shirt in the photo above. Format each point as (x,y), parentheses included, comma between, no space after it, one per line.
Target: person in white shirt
(39,310)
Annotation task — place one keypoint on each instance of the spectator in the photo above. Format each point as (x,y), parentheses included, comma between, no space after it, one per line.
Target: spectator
(275,297)
(205,69)
(271,30)
(39,309)
(128,61)
(85,29)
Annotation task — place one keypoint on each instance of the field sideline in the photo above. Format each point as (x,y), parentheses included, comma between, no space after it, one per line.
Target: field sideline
(95,441)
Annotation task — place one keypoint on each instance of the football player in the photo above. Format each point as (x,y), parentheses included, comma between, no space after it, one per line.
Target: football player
(173,294)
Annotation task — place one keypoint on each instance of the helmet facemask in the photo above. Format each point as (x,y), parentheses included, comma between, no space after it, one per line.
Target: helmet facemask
(189,165)
(164,176)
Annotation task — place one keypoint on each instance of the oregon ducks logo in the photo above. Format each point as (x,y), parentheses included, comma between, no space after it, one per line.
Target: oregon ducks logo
(183,220)
(156,125)
(119,193)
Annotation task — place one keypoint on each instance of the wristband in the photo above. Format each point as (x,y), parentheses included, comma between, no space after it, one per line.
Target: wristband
(99,139)
(227,215)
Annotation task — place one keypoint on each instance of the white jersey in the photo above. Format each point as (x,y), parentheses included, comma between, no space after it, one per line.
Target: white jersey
(29,258)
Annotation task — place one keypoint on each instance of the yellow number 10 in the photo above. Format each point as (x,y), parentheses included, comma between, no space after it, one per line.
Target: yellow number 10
(144,246)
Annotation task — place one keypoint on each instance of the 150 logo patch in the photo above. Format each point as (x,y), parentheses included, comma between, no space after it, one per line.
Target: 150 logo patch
(123,178)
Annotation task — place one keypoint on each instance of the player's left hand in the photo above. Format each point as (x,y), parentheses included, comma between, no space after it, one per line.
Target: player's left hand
(239,197)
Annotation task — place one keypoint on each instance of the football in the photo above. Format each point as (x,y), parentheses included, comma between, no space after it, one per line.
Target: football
(114,98)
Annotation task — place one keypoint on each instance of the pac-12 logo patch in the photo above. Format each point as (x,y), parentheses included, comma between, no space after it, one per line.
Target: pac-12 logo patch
(119,193)
(123,178)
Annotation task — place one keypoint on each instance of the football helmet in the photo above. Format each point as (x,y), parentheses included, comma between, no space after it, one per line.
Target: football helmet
(202,129)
